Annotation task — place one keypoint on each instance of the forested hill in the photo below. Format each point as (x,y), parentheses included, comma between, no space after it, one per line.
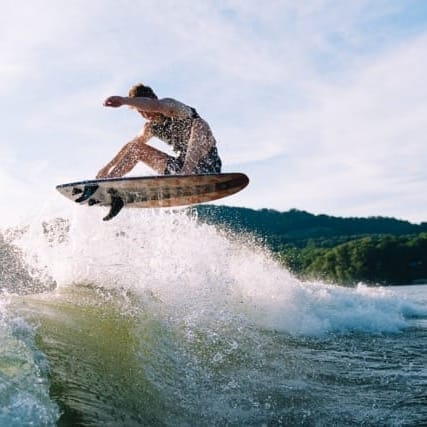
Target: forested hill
(346,251)
(296,226)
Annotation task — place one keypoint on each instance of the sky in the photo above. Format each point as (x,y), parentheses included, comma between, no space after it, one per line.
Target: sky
(322,103)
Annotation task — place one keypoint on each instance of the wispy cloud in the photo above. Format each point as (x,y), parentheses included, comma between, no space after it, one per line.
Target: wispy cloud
(327,97)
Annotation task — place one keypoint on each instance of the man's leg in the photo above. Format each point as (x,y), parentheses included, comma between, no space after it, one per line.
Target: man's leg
(151,156)
(200,142)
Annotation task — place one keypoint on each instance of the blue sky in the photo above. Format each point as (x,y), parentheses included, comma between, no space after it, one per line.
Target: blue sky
(323,103)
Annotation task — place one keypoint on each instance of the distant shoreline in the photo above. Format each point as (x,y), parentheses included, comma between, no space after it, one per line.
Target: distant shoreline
(423,283)
(377,251)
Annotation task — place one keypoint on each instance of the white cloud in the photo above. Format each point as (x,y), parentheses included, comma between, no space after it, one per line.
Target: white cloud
(328,94)
(358,148)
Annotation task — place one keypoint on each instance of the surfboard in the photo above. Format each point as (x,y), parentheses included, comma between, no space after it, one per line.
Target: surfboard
(153,191)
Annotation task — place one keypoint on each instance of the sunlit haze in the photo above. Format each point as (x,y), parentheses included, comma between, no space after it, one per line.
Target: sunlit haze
(322,103)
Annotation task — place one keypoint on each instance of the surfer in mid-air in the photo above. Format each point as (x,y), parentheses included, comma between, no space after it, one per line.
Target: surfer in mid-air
(174,123)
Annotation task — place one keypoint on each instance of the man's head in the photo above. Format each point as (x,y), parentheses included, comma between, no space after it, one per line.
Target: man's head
(141,90)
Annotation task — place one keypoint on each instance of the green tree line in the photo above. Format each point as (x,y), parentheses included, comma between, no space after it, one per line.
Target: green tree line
(373,250)
(381,260)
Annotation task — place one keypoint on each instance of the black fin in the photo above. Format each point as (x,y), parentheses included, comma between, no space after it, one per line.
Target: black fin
(88,191)
(117,204)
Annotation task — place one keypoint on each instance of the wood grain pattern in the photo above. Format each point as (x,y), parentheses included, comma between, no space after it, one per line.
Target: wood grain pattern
(155,191)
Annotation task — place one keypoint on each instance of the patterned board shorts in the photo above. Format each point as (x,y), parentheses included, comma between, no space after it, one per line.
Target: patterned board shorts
(211,163)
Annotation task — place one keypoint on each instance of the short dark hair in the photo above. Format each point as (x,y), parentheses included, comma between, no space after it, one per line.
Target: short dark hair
(141,90)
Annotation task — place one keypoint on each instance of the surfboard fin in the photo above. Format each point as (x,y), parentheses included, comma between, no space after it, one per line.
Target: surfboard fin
(117,204)
(89,190)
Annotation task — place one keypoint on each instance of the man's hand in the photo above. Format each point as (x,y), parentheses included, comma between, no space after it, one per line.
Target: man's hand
(114,101)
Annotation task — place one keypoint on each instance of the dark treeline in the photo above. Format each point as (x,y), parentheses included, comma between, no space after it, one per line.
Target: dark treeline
(373,250)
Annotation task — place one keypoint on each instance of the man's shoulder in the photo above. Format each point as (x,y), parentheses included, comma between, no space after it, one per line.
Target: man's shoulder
(172,101)
(178,107)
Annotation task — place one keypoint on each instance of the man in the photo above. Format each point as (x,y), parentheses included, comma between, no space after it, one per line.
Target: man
(174,123)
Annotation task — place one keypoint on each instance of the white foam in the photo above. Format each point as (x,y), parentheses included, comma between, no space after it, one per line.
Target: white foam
(200,274)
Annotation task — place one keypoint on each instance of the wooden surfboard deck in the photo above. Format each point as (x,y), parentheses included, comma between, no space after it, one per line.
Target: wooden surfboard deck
(153,191)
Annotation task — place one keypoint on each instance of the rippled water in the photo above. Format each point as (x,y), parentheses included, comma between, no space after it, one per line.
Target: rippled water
(154,319)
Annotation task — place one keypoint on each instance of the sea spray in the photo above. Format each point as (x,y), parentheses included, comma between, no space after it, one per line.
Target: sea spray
(200,272)
(24,388)
(18,274)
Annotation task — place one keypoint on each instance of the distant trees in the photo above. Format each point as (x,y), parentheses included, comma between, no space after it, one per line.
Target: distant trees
(375,260)
(342,250)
